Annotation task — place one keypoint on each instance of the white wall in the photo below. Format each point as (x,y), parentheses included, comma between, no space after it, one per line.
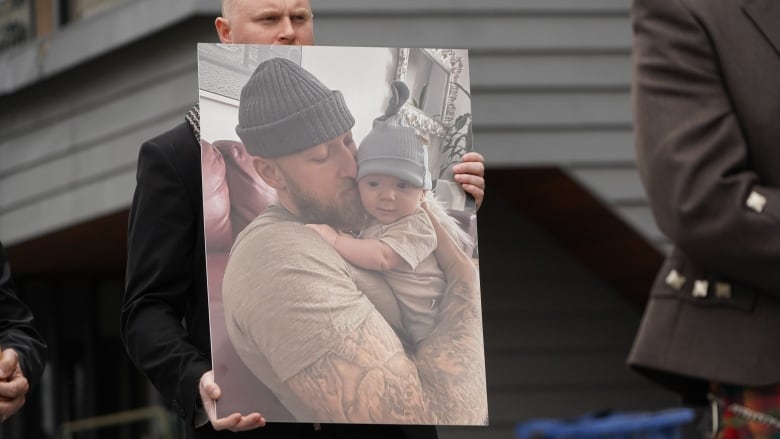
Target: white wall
(218,117)
(366,98)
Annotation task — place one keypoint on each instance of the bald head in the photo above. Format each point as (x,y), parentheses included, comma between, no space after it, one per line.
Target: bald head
(266,22)
(226,7)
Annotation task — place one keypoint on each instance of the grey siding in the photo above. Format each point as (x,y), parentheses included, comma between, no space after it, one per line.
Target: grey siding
(68,150)
(550,83)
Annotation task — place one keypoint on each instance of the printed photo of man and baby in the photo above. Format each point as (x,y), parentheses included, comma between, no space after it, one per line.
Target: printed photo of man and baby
(341,257)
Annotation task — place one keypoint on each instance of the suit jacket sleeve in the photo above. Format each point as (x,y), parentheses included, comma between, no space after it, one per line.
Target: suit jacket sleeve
(692,155)
(161,271)
(17,328)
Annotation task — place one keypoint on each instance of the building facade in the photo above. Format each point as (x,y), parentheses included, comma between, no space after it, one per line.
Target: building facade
(567,243)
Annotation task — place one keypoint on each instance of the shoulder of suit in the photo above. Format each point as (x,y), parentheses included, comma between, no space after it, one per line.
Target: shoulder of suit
(181,134)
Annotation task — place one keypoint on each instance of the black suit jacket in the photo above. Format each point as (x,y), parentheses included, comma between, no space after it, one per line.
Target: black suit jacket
(164,318)
(17,329)
(707,107)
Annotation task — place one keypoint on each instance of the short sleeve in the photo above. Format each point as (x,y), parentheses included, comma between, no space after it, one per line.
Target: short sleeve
(412,237)
(290,297)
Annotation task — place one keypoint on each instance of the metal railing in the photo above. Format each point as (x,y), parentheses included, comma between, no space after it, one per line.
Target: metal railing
(157,415)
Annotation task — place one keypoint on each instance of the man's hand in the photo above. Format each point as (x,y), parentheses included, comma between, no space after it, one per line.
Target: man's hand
(209,394)
(328,233)
(13,384)
(470,173)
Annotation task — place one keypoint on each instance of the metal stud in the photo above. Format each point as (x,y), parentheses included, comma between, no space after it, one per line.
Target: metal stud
(722,290)
(756,201)
(675,280)
(700,288)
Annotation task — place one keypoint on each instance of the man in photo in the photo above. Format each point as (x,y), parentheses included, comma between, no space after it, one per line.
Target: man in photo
(307,323)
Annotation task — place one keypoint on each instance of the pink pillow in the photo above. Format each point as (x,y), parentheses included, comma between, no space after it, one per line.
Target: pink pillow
(249,194)
(216,200)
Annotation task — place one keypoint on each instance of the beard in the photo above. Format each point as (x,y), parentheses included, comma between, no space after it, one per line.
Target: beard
(344,212)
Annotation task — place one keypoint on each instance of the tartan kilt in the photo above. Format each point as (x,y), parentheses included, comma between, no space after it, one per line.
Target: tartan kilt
(735,423)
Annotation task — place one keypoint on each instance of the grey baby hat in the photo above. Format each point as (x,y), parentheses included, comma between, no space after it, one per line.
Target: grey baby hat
(284,109)
(392,147)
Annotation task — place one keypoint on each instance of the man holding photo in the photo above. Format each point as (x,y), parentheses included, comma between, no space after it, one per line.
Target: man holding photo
(164,318)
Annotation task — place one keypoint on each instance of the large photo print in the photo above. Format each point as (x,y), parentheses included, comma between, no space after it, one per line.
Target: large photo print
(342,258)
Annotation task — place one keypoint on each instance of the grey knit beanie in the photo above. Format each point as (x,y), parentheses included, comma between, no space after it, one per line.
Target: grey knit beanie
(392,147)
(284,109)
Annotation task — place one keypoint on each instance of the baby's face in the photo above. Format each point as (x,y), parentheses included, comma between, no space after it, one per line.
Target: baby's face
(388,198)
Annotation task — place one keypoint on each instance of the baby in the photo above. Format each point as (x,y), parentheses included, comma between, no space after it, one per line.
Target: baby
(399,240)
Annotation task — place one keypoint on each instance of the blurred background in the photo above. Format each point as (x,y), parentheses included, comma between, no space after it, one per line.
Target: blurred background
(567,244)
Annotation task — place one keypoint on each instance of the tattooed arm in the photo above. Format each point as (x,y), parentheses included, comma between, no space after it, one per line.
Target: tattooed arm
(327,352)
(451,361)
(332,354)
(371,379)
(367,379)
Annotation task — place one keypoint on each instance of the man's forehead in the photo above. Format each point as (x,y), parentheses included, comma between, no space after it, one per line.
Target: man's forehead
(319,149)
(265,4)
(335,141)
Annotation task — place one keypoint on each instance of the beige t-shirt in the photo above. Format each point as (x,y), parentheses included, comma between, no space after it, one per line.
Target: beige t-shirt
(418,283)
(289,298)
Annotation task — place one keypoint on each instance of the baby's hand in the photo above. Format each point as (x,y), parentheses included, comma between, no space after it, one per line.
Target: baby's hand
(328,233)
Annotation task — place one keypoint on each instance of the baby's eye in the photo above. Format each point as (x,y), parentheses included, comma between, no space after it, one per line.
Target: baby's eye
(373,184)
(402,185)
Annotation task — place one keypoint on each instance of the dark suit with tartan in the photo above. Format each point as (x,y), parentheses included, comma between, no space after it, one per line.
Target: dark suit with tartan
(707,112)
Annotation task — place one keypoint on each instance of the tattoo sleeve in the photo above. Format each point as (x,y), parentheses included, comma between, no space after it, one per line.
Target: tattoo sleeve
(370,378)
(451,360)
(367,379)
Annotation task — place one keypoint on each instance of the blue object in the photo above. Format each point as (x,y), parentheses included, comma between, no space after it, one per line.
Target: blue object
(664,424)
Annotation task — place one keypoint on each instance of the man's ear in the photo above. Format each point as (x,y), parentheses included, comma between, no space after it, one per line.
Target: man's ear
(223,30)
(269,171)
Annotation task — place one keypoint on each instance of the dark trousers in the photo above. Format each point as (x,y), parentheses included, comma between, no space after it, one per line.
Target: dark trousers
(326,431)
